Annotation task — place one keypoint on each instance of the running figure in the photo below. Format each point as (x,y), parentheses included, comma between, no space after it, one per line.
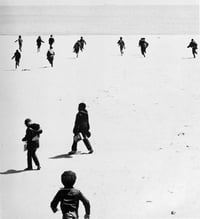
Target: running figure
(143,46)
(39,42)
(194,47)
(82,43)
(20,41)
(121,45)
(76,48)
(50,56)
(17,57)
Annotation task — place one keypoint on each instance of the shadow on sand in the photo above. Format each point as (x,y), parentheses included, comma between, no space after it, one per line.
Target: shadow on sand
(187,57)
(11,172)
(61,156)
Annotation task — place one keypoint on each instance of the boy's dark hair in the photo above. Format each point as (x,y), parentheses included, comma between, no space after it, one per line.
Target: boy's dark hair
(68,178)
(82,106)
(27,121)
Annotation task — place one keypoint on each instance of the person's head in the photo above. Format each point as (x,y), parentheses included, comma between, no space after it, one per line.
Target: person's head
(20,36)
(51,35)
(27,122)
(120,38)
(68,178)
(81,37)
(81,106)
(192,40)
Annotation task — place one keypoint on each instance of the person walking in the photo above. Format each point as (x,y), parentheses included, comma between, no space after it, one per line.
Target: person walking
(81,127)
(76,48)
(39,42)
(143,46)
(20,41)
(50,56)
(51,41)
(31,140)
(194,47)
(17,57)
(82,43)
(121,45)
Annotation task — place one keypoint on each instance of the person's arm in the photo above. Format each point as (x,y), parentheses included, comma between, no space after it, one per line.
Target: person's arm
(54,202)
(86,204)
(76,125)
(25,138)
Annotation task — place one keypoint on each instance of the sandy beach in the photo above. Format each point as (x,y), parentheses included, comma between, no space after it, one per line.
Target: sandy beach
(145,125)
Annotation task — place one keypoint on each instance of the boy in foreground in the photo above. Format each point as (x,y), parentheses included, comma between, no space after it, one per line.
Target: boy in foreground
(69,198)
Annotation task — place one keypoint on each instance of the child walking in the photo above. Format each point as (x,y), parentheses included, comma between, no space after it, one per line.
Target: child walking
(82,127)
(69,198)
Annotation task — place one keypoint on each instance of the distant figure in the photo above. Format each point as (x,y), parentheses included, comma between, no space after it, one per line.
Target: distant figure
(194,47)
(121,45)
(50,56)
(82,43)
(51,41)
(81,127)
(31,138)
(39,42)
(143,46)
(76,48)
(20,41)
(69,198)
(17,57)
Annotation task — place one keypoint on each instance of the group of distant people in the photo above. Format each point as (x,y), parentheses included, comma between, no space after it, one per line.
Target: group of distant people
(79,46)
(143,44)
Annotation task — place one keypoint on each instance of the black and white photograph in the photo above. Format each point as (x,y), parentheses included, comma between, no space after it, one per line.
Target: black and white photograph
(100,109)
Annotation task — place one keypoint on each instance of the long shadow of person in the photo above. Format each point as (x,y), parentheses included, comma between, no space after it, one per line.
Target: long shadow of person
(11,171)
(61,156)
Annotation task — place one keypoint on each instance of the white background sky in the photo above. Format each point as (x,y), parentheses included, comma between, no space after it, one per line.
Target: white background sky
(95,2)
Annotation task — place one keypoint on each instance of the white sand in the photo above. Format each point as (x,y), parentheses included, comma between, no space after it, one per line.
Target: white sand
(143,167)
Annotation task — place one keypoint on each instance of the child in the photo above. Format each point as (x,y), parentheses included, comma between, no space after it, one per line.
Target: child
(51,41)
(143,46)
(20,41)
(194,47)
(76,48)
(31,138)
(82,43)
(39,42)
(121,45)
(69,198)
(50,56)
(17,57)
(81,126)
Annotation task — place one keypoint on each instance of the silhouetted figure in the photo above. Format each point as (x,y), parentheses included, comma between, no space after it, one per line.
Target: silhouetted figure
(51,41)
(82,43)
(31,138)
(194,47)
(143,46)
(76,48)
(121,45)
(81,127)
(17,57)
(69,198)
(20,41)
(39,42)
(50,56)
